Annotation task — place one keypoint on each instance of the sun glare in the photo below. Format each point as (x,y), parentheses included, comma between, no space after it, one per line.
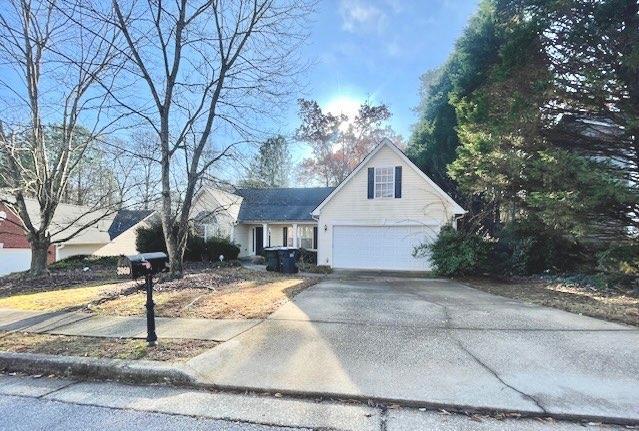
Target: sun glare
(346,105)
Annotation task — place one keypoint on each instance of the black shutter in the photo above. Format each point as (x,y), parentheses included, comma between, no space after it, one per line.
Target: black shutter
(285,236)
(371,183)
(315,237)
(398,181)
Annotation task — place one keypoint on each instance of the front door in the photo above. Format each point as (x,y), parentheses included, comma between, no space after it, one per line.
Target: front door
(259,240)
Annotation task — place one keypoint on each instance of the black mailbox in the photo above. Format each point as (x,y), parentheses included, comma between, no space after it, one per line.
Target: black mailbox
(144,264)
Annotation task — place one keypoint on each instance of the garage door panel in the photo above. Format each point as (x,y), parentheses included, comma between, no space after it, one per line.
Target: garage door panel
(380,247)
(14,259)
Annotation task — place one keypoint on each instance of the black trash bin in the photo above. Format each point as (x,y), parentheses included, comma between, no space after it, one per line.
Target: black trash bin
(288,260)
(272,259)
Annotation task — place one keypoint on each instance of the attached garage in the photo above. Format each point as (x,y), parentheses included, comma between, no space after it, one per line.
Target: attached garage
(380,247)
(374,219)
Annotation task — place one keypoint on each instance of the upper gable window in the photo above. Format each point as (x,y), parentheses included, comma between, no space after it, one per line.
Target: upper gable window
(384,182)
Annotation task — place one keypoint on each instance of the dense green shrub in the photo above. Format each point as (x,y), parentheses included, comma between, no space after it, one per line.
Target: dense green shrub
(307,256)
(84,260)
(195,250)
(457,253)
(151,238)
(526,247)
(621,258)
(221,246)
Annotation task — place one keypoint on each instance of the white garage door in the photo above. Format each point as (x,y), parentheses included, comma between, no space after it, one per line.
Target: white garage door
(380,247)
(14,259)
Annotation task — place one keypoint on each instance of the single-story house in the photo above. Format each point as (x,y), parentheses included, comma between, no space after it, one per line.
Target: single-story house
(110,235)
(374,219)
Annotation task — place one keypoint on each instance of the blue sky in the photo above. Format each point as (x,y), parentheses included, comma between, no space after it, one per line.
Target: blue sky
(377,50)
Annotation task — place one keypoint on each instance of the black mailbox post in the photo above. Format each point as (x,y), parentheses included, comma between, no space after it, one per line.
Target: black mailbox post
(146,265)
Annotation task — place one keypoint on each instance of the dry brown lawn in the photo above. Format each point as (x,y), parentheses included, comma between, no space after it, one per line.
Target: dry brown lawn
(253,299)
(614,306)
(215,293)
(112,348)
(64,299)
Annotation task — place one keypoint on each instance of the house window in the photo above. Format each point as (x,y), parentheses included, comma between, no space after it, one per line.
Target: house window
(306,237)
(384,182)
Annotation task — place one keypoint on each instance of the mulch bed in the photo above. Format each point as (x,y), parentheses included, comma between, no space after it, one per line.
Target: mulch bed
(203,277)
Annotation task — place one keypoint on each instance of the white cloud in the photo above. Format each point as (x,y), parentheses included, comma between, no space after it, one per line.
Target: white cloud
(361,16)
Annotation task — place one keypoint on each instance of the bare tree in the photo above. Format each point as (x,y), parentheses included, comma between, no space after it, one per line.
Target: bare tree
(50,66)
(207,66)
(339,142)
(147,165)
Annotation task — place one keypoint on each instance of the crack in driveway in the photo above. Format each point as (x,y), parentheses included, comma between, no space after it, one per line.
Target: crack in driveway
(448,326)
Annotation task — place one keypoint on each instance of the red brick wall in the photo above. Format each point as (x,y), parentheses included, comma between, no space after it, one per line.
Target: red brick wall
(12,234)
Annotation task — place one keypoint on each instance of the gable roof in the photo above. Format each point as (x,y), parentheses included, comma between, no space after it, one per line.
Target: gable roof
(286,204)
(223,202)
(457,209)
(125,220)
(87,225)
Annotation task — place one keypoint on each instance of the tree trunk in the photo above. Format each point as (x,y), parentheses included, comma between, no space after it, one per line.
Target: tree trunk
(175,250)
(39,255)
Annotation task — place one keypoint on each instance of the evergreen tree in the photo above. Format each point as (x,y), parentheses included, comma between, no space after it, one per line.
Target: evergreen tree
(272,165)
(505,122)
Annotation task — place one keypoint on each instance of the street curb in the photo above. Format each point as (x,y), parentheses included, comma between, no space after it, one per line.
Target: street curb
(149,372)
(138,371)
(416,404)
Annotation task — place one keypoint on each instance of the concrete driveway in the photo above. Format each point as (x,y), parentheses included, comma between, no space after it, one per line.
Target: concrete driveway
(434,342)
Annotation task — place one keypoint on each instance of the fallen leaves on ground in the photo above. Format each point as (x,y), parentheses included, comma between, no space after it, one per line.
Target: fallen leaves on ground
(64,299)
(19,283)
(615,306)
(112,348)
(225,294)
(206,292)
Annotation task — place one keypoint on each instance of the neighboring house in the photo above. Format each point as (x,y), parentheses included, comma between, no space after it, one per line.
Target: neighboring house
(373,220)
(215,212)
(111,235)
(123,232)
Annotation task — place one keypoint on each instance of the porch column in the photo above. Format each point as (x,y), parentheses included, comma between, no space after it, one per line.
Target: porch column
(295,245)
(265,235)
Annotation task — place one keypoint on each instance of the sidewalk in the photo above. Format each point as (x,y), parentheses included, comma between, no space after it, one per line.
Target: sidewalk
(63,404)
(86,324)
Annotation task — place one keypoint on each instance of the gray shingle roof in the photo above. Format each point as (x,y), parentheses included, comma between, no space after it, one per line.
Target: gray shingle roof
(287,204)
(126,219)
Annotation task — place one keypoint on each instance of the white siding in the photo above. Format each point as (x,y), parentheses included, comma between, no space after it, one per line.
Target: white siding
(69,250)
(123,244)
(242,237)
(276,235)
(224,205)
(420,204)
